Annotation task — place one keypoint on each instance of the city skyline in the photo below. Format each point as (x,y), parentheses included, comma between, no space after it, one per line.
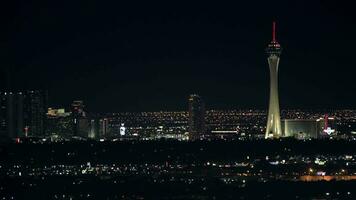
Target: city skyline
(167,100)
(153,59)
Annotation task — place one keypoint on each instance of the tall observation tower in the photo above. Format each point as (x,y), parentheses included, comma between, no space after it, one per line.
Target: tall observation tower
(273,51)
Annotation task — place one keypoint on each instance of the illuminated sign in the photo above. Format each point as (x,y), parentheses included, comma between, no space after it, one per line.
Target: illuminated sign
(329,131)
(122,130)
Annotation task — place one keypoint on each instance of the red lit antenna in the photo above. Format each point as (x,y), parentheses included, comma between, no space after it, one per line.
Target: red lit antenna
(274,32)
(326,117)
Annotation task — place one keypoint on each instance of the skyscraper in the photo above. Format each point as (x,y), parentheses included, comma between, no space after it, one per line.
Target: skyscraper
(11,114)
(35,109)
(23,113)
(80,122)
(77,108)
(92,129)
(104,128)
(273,51)
(196,117)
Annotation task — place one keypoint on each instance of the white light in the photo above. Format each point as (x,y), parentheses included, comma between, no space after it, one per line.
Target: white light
(329,131)
(122,130)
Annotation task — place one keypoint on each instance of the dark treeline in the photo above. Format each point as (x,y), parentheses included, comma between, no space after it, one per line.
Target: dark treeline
(207,183)
(161,151)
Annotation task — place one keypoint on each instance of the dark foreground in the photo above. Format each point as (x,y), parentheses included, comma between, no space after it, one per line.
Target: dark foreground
(179,170)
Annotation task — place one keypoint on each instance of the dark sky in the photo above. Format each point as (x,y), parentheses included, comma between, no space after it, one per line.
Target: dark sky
(151,56)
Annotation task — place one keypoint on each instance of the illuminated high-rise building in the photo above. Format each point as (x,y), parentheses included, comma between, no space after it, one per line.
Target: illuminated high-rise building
(273,51)
(92,129)
(196,117)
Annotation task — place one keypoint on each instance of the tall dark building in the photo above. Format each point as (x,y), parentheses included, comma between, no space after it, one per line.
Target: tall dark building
(77,108)
(80,121)
(3,116)
(11,114)
(22,113)
(104,128)
(35,109)
(196,117)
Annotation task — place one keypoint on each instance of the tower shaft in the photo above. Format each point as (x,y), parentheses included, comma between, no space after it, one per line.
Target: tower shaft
(273,120)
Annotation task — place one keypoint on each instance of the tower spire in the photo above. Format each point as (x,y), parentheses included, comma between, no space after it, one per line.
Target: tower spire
(273,50)
(274,31)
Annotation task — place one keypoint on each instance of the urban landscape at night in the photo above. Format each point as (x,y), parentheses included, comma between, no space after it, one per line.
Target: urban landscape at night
(206,101)
(81,155)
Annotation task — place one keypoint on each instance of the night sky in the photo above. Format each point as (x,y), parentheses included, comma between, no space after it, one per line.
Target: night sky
(151,56)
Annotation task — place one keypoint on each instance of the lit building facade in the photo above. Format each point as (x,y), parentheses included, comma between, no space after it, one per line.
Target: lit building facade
(59,123)
(309,128)
(302,128)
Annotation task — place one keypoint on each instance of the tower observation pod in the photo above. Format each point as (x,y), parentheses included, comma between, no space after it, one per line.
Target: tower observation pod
(273,51)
